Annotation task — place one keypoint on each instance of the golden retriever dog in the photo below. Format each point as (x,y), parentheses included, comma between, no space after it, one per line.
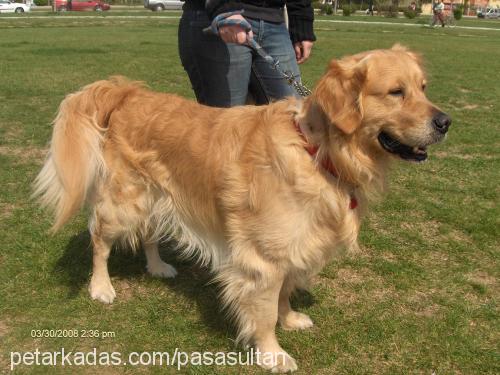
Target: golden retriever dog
(264,195)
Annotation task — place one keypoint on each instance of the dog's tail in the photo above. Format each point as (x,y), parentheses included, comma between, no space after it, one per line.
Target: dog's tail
(75,159)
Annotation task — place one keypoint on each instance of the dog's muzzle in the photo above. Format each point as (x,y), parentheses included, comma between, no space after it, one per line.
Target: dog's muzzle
(440,122)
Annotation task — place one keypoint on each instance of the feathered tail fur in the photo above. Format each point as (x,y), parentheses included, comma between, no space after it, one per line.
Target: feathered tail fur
(75,159)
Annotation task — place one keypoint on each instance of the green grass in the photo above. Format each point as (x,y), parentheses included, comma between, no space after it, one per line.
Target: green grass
(421,297)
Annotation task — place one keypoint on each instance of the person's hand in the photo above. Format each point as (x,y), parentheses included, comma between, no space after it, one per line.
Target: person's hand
(234,33)
(302,50)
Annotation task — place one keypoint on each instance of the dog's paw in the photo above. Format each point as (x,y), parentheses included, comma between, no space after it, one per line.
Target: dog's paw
(162,269)
(102,290)
(289,365)
(295,320)
(277,362)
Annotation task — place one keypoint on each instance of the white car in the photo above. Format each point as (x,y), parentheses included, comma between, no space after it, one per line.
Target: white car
(7,6)
(160,5)
(489,13)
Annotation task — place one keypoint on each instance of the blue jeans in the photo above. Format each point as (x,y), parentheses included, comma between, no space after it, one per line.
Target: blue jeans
(220,73)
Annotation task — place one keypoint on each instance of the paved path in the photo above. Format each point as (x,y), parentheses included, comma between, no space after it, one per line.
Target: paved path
(58,17)
(405,24)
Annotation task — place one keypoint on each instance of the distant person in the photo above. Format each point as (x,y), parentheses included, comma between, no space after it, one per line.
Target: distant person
(438,13)
(370,8)
(412,6)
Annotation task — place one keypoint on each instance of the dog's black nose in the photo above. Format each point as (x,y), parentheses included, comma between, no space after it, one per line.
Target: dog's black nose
(441,122)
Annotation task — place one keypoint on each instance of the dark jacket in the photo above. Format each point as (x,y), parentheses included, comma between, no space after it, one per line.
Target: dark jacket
(300,13)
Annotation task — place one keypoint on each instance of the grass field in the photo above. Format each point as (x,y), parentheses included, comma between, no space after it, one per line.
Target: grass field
(422,296)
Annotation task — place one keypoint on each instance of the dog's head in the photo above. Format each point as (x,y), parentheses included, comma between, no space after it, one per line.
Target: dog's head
(380,96)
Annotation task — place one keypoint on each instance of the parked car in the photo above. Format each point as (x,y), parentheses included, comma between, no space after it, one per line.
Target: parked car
(489,13)
(80,5)
(8,6)
(480,10)
(161,5)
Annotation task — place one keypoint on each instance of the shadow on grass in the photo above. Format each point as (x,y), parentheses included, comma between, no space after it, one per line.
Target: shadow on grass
(193,282)
(75,265)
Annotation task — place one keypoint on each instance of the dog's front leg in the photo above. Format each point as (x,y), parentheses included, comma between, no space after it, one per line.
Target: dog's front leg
(253,298)
(265,315)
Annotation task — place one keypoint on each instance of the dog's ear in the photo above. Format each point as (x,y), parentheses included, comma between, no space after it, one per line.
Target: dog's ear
(338,93)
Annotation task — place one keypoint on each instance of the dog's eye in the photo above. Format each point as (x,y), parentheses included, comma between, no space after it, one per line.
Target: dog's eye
(397,92)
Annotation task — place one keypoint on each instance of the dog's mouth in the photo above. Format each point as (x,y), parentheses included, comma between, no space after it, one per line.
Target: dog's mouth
(417,153)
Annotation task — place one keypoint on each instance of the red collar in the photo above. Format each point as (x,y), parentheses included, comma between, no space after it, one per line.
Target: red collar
(326,163)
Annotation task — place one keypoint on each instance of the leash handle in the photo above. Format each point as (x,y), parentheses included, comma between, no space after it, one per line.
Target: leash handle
(221,20)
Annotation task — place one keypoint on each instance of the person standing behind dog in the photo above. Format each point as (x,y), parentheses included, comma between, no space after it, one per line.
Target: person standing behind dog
(220,67)
(438,13)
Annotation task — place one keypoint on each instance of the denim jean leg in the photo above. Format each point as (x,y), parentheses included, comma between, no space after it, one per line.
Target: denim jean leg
(219,72)
(238,73)
(186,43)
(275,40)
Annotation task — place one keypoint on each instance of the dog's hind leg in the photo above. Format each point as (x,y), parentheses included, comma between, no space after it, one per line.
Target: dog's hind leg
(100,286)
(288,318)
(156,266)
(110,222)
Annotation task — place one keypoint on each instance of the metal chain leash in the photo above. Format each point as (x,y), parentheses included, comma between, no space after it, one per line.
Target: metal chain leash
(221,20)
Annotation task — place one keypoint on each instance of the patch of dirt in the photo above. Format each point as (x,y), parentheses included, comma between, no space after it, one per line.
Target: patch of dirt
(429,230)
(390,257)
(350,276)
(461,156)
(482,278)
(470,106)
(14,133)
(108,370)
(421,303)
(445,155)
(3,329)
(124,289)
(24,154)
(458,236)
(352,286)
(428,311)
(476,299)
(436,260)
(377,227)
(464,105)
(129,289)
(6,210)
